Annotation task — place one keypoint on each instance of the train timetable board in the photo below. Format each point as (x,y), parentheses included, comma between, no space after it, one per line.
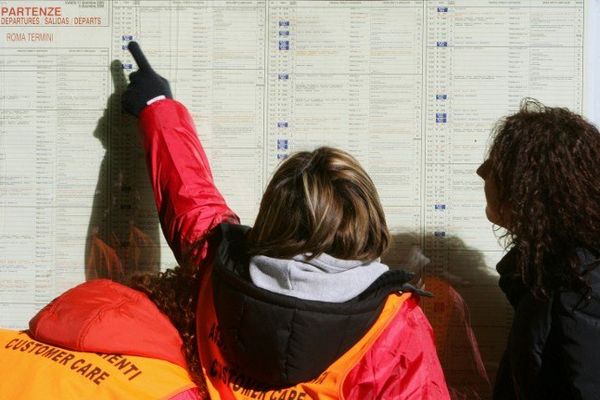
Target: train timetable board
(411,88)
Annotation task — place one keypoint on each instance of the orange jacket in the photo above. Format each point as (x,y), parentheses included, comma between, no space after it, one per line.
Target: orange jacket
(99,340)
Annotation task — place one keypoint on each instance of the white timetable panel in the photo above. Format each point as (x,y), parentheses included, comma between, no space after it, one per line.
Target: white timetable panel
(412,88)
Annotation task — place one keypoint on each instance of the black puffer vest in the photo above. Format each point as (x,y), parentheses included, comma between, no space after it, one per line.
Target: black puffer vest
(281,340)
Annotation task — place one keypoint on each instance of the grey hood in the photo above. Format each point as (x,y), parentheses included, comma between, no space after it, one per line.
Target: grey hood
(323,278)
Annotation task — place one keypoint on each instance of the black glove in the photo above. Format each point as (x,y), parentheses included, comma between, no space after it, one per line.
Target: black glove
(145,84)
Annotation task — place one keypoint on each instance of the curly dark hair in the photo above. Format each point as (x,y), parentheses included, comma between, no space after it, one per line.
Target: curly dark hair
(175,293)
(545,163)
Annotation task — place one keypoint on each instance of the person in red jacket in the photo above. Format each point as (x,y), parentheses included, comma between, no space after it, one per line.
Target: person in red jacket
(297,307)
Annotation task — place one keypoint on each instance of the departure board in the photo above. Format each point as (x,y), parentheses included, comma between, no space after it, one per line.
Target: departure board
(411,88)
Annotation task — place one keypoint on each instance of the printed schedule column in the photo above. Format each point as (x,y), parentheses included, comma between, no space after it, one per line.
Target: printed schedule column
(353,84)
(214,59)
(51,97)
(212,53)
(483,58)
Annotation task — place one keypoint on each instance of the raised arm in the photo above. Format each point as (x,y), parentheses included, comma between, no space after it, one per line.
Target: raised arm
(188,202)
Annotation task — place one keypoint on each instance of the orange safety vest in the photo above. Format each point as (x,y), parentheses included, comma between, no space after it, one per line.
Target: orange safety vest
(34,370)
(223,382)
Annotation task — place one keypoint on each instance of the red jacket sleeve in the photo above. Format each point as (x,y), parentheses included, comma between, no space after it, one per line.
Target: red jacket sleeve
(402,364)
(188,202)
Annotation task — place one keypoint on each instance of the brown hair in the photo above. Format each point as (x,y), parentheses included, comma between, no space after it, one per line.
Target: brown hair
(320,202)
(545,163)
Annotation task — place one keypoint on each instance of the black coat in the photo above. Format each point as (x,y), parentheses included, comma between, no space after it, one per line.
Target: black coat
(553,349)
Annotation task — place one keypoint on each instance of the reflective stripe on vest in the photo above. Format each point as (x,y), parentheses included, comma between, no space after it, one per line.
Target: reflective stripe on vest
(33,370)
(224,382)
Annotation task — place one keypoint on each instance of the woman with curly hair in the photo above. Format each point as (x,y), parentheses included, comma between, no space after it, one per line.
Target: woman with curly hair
(542,184)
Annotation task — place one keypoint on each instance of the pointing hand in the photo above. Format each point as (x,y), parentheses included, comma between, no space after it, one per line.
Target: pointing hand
(145,84)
